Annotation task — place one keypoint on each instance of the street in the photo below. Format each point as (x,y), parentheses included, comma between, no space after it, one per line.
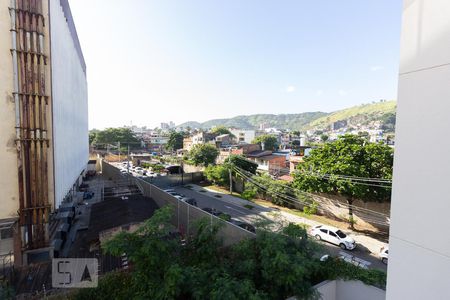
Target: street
(238,211)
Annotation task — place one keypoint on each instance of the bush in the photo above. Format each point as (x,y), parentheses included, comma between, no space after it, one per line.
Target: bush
(157,168)
(248,194)
(310,209)
(218,175)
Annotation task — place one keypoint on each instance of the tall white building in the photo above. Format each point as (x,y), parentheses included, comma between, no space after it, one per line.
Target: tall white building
(419,257)
(43,119)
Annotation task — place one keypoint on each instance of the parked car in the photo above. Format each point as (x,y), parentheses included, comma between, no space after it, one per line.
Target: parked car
(334,236)
(169,190)
(384,253)
(176,194)
(190,201)
(243,225)
(217,213)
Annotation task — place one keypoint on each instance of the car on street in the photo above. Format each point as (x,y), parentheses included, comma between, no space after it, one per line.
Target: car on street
(243,225)
(384,253)
(190,201)
(217,213)
(334,236)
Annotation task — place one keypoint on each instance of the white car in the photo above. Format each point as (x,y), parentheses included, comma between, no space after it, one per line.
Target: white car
(334,236)
(384,253)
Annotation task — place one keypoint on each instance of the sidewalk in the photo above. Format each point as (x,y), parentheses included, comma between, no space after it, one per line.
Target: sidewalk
(373,245)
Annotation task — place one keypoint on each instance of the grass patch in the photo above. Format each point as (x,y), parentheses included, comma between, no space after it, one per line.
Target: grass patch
(248,206)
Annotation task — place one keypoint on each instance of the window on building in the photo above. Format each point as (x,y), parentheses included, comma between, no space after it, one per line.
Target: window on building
(6,233)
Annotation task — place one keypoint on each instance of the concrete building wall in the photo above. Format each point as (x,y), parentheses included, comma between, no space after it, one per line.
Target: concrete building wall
(9,201)
(245,136)
(69,93)
(419,253)
(9,196)
(349,290)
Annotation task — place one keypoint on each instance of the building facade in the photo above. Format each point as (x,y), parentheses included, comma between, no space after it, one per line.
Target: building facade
(43,122)
(419,247)
(245,136)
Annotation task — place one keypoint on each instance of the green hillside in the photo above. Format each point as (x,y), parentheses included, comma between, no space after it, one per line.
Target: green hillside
(361,114)
(284,121)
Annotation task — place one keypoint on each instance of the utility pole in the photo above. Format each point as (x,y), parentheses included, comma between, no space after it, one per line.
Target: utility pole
(182,172)
(128,158)
(229,171)
(231,181)
(118,146)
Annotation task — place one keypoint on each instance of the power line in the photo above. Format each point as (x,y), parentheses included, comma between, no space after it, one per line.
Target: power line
(327,199)
(354,179)
(337,203)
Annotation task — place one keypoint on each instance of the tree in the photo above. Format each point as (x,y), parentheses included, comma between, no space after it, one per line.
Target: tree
(219,130)
(296,133)
(324,138)
(204,154)
(350,155)
(175,140)
(242,163)
(92,135)
(165,265)
(218,175)
(113,135)
(269,141)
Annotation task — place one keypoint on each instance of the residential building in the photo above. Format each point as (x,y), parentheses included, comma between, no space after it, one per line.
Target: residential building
(245,136)
(223,140)
(419,247)
(43,121)
(274,164)
(241,149)
(167,126)
(245,149)
(187,143)
(198,138)
(297,156)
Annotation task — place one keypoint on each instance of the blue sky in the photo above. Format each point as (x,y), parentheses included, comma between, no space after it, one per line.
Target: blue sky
(176,60)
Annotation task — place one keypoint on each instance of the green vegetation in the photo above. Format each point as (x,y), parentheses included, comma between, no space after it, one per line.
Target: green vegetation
(364,112)
(248,194)
(350,155)
(292,121)
(240,162)
(175,141)
(219,130)
(203,155)
(269,141)
(112,136)
(269,266)
(248,206)
(219,175)
(300,122)
(157,168)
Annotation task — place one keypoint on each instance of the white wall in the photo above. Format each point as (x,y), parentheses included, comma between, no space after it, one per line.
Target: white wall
(419,262)
(349,290)
(70,110)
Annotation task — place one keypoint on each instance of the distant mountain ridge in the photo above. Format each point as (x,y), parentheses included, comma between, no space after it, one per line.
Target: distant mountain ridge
(308,120)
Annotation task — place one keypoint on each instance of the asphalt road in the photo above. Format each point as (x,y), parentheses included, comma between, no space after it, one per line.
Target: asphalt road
(250,215)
